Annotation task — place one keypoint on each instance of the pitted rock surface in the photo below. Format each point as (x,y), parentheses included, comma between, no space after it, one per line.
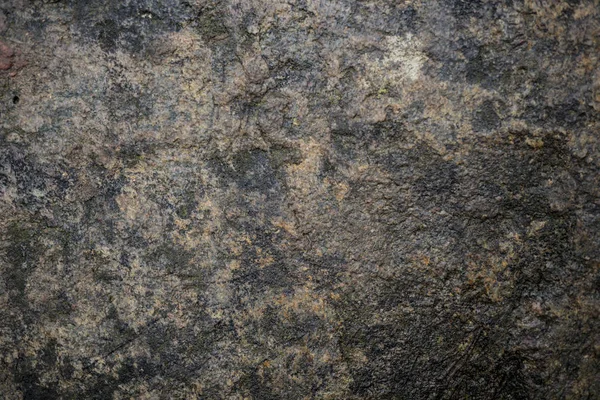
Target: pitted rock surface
(299,199)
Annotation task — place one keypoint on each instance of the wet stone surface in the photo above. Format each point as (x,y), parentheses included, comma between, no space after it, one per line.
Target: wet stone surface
(299,199)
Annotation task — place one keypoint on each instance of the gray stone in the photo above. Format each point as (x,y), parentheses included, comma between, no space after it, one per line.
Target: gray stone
(299,199)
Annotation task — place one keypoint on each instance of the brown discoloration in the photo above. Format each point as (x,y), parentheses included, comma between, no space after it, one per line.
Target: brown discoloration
(6,57)
(5,64)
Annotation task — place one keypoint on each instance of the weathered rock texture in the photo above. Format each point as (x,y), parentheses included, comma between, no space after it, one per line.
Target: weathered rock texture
(299,199)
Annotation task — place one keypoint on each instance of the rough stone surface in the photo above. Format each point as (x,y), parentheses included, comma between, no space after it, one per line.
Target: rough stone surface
(299,199)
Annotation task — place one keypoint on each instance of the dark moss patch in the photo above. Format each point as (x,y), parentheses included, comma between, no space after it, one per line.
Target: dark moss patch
(465,9)
(479,69)
(108,34)
(209,23)
(171,259)
(29,378)
(438,179)
(256,386)
(486,119)
(133,153)
(129,26)
(254,171)
(32,388)
(22,254)
(571,114)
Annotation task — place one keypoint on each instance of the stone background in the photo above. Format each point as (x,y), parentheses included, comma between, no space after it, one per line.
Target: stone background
(299,199)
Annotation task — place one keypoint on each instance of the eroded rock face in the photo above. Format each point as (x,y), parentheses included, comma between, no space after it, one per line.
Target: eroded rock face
(299,199)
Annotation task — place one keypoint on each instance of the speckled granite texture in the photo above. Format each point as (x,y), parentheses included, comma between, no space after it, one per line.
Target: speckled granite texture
(299,199)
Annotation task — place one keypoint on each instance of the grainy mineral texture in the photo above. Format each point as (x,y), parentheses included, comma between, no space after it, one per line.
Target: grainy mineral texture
(299,199)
